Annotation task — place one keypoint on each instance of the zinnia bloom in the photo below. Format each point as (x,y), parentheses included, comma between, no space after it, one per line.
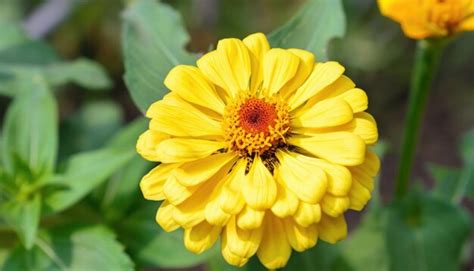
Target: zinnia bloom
(265,148)
(422,19)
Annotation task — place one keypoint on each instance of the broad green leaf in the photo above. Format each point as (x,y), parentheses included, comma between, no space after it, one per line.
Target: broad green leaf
(467,175)
(367,240)
(30,128)
(122,189)
(72,249)
(321,257)
(317,22)
(24,217)
(447,181)
(85,171)
(10,33)
(28,54)
(153,41)
(153,247)
(91,127)
(128,136)
(83,72)
(427,233)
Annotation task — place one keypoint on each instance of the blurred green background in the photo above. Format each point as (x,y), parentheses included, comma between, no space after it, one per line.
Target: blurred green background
(376,54)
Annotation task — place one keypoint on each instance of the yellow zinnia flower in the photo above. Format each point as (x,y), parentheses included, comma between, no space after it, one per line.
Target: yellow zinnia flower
(265,148)
(422,19)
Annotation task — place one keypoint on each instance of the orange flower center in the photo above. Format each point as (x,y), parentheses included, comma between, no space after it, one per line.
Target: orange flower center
(255,125)
(257,116)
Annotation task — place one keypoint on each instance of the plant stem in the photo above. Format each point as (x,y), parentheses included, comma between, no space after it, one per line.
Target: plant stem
(427,57)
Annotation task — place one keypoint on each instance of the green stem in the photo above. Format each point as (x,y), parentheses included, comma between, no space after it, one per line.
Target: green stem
(427,56)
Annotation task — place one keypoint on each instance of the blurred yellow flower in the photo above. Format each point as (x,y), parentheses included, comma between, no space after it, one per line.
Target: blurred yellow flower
(422,19)
(265,148)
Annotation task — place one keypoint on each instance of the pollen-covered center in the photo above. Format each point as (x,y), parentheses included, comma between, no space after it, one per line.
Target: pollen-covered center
(257,116)
(256,124)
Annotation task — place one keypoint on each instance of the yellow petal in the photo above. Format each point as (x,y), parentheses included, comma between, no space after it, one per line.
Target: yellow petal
(147,145)
(300,238)
(192,211)
(365,173)
(184,121)
(334,206)
(175,192)
(231,257)
(342,148)
(213,212)
(164,217)
(170,98)
(341,85)
(286,201)
(176,150)
(258,46)
(230,199)
(243,243)
(365,126)
(259,189)
(358,196)
(274,250)
(328,113)
(304,70)
(215,215)
(307,214)
(228,66)
(195,172)
(191,85)
(201,237)
(152,184)
(279,67)
(249,218)
(322,75)
(306,181)
(356,98)
(339,177)
(332,229)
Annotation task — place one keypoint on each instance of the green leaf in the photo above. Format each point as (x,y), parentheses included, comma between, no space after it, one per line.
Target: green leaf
(30,128)
(84,172)
(73,249)
(24,216)
(322,257)
(467,175)
(28,54)
(151,246)
(153,41)
(425,233)
(128,136)
(91,127)
(83,72)
(367,240)
(10,33)
(447,181)
(122,189)
(317,22)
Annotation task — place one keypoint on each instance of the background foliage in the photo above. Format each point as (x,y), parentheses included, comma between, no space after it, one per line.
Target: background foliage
(69,173)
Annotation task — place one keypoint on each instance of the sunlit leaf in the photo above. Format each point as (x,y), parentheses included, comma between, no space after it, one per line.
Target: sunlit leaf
(153,41)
